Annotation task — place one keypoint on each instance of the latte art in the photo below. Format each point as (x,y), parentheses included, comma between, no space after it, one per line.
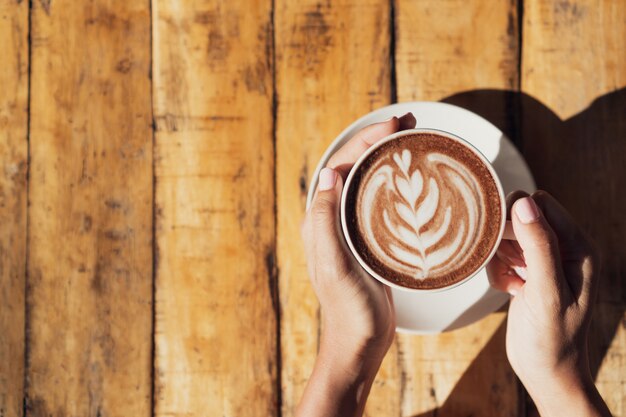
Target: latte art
(416,243)
(419,210)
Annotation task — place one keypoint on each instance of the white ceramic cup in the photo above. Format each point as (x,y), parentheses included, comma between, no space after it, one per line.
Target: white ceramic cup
(502,220)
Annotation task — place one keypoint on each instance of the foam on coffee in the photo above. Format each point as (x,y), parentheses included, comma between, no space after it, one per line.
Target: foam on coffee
(420,211)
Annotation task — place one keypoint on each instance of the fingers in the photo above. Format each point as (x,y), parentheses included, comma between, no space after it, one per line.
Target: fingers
(321,230)
(509,253)
(553,247)
(502,277)
(510,200)
(507,270)
(343,160)
(540,248)
(571,238)
(577,251)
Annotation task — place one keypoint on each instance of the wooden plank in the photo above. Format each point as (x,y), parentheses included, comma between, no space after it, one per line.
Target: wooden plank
(90,213)
(464,49)
(574,79)
(332,66)
(13,196)
(215,319)
(447,47)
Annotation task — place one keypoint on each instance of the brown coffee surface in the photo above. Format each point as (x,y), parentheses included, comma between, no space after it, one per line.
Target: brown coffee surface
(423,211)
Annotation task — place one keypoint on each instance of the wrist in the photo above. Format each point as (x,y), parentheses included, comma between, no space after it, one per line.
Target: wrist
(355,356)
(341,379)
(571,394)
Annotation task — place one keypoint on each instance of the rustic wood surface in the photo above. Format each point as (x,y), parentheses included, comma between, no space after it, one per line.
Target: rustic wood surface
(215,349)
(573,110)
(477,48)
(89,282)
(332,65)
(155,158)
(13,167)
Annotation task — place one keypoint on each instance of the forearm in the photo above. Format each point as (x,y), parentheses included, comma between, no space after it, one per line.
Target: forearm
(340,383)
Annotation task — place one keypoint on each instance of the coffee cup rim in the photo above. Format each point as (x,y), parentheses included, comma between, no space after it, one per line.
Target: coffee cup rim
(377,145)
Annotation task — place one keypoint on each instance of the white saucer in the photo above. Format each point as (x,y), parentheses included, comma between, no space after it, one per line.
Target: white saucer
(460,306)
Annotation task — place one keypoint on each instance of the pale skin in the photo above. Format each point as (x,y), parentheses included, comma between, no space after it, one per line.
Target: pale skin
(550,271)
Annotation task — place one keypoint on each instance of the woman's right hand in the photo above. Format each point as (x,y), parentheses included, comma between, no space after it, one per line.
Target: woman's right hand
(551,271)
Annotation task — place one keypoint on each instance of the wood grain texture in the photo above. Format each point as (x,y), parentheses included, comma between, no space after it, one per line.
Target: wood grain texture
(90,215)
(446,47)
(13,196)
(574,52)
(215,317)
(332,66)
(225,239)
(574,131)
(443,49)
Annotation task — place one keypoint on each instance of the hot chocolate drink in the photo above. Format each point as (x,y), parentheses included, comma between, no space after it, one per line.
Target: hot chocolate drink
(423,211)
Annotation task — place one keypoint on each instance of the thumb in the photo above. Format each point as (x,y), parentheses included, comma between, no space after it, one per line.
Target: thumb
(325,220)
(328,193)
(540,247)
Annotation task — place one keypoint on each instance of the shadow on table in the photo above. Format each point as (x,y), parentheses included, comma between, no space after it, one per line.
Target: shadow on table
(484,388)
(582,162)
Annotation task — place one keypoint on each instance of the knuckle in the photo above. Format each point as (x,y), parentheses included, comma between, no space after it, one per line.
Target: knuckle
(550,239)
(545,240)
(593,251)
(585,248)
(324,269)
(322,210)
(590,264)
(595,254)
(540,194)
(324,274)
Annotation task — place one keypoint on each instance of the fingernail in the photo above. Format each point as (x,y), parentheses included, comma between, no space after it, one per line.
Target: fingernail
(327,179)
(513,292)
(526,210)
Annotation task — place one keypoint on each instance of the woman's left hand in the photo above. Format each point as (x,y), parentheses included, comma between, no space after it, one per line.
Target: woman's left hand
(358,313)
(358,318)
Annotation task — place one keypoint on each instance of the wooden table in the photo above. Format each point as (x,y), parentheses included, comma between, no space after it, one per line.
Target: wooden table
(154,163)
